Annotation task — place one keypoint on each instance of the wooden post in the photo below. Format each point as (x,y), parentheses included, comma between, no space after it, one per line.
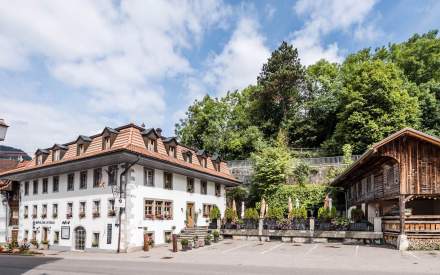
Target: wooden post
(146,242)
(174,243)
(402,214)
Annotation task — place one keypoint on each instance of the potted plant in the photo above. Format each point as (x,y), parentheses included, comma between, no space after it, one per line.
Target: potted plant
(95,243)
(55,215)
(34,216)
(25,216)
(195,241)
(43,216)
(34,244)
(208,239)
(185,244)
(45,244)
(68,215)
(216,235)
(214,215)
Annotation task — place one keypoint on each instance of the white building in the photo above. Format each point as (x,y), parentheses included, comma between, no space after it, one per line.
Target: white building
(67,193)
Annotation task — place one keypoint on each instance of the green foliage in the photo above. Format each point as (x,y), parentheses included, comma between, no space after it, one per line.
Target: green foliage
(309,196)
(184,242)
(230,214)
(215,234)
(326,214)
(271,167)
(238,194)
(276,213)
(347,151)
(215,213)
(251,214)
(298,213)
(301,172)
(342,221)
(357,214)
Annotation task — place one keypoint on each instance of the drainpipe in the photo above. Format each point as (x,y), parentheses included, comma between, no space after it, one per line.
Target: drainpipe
(127,168)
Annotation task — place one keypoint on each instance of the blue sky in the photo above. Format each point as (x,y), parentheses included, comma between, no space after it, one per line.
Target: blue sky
(72,68)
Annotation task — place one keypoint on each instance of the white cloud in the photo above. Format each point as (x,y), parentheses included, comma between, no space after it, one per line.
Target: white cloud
(324,17)
(240,61)
(118,54)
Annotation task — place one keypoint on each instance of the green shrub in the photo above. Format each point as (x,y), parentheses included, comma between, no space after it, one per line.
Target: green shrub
(342,221)
(326,214)
(215,234)
(357,214)
(230,214)
(215,213)
(184,242)
(299,213)
(276,213)
(45,242)
(251,214)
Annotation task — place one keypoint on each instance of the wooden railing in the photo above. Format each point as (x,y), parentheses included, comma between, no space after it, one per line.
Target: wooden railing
(415,224)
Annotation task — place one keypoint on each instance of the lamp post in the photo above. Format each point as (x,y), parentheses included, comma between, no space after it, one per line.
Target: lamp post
(3,129)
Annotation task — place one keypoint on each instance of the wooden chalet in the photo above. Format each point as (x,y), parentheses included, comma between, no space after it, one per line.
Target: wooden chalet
(398,180)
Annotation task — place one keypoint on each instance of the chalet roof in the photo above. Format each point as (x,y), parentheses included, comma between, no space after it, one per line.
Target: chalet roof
(202,153)
(150,131)
(42,151)
(170,140)
(368,154)
(216,157)
(128,140)
(109,130)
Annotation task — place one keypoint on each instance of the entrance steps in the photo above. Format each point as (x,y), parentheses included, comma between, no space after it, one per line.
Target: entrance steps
(190,233)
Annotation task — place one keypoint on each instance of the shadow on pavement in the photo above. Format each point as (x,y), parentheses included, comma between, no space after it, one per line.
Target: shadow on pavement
(14,265)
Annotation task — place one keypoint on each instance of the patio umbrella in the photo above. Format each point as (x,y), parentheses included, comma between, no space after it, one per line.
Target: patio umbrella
(262,207)
(296,203)
(289,206)
(234,206)
(242,209)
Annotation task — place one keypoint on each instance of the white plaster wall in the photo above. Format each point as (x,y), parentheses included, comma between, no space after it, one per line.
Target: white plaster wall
(3,231)
(137,193)
(62,197)
(133,222)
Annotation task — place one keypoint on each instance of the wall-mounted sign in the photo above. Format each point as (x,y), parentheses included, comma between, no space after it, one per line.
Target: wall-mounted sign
(43,222)
(65,222)
(65,232)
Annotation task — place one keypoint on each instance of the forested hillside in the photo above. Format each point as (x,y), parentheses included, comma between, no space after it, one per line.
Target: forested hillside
(370,95)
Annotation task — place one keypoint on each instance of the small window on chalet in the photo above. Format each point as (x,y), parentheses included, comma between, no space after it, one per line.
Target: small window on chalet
(216,161)
(152,145)
(58,151)
(39,159)
(148,176)
(112,175)
(172,151)
(168,180)
(150,137)
(41,156)
(108,137)
(203,187)
(190,185)
(106,143)
(57,155)
(202,156)
(171,146)
(218,190)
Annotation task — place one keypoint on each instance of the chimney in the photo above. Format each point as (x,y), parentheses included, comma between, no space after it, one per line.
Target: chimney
(159,131)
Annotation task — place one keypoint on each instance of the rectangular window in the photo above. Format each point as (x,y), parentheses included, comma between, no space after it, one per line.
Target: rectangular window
(95,242)
(109,233)
(57,155)
(97,177)
(69,211)
(82,209)
(148,177)
(111,208)
(107,144)
(207,209)
(26,212)
(56,237)
(190,185)
(55,184)
(70,182)
(158,209)
(148,209)
(34,211)
(152,145)
(26,188)
(172,151)
(168,180)
(112,174)
(168,236)
(203,187)
(218,190)
(35,187)
(96,208)
(83,180)
(54,210)
(80,149)
(26,235)
(216,165)
(45,185)
(187,156)
(44,211)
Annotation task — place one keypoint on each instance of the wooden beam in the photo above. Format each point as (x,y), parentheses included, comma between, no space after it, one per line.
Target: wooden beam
(402,213)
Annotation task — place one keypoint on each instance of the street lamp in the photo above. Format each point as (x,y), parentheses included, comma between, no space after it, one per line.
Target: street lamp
(3,129)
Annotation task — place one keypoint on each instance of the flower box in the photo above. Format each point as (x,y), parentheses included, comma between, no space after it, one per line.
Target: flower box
(43,216)
(149,217)
(82,215)
(55,216)
(111,213)
(96,215)
(25,216)
(68,216)
(34,216)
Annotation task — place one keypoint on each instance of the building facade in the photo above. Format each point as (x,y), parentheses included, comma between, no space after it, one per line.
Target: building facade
(79,195)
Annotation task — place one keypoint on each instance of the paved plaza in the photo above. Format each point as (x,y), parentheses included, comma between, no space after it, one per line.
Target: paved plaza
(234,257)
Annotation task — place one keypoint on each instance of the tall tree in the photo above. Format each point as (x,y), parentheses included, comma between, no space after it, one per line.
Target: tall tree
(281,86)
(375,101)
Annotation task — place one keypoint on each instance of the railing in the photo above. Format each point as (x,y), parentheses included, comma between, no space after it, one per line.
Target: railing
(415,224)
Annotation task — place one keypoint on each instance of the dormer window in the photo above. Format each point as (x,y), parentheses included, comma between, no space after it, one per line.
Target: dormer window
(171,146)
(41,156)
(82,143)
(216,161)
(58,151)
(187,156)
(150,137)
(202,156)
(108,137)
